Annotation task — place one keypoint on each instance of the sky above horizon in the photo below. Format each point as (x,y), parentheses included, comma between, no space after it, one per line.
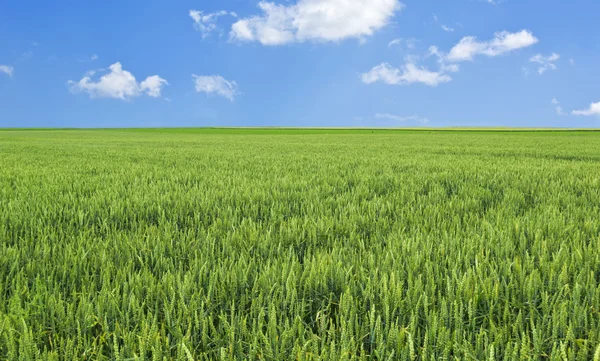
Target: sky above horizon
(304,63)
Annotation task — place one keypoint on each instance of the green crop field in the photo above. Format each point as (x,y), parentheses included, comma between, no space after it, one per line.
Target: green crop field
(274,244)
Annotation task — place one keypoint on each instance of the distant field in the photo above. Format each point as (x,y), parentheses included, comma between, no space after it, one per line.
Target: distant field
(290,244)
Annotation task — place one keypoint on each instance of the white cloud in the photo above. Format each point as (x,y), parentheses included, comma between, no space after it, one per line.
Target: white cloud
(207,23)
(443,26)
(559,110)
(503,43)
(152,85)
(316,20)
(444,68)
(450,68)
(435,51)
(594,109)
(394,42)
(572,61)
(408,43)
(6,69)
(118,84)
(466,49)
(94,57)
(216,84)
(545,62)
(409,74)
(412,118)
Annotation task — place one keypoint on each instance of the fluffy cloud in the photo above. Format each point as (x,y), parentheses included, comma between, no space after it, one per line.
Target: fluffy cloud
(207,23)
(545,62)
(215,84)
(8,70)
(594,109)
(153,85)
(317,20)
(409,74)
(503,43)
(118,84)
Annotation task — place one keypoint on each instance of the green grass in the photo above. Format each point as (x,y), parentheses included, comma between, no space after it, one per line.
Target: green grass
(279,244)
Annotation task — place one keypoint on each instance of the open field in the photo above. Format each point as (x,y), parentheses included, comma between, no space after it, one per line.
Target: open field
(273,244)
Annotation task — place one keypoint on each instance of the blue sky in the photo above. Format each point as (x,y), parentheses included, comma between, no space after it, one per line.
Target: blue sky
(362,63)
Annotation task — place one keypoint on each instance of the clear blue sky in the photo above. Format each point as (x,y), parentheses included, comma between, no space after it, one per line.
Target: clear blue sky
(151,63)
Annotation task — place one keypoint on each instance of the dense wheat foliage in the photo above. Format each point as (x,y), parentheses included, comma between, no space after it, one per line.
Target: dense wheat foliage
(299,245)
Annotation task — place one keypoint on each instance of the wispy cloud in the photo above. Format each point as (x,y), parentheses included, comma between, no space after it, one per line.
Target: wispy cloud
(402,119)
(409,74)
(494,2)
(7,69)
(26,55)
(394,42)
(206,23)
(408,43)
(444,27)
(503,43)
(216,84)
(559,110)
(545,62)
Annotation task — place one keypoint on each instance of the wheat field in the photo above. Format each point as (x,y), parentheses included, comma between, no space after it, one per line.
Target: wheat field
(275,244)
